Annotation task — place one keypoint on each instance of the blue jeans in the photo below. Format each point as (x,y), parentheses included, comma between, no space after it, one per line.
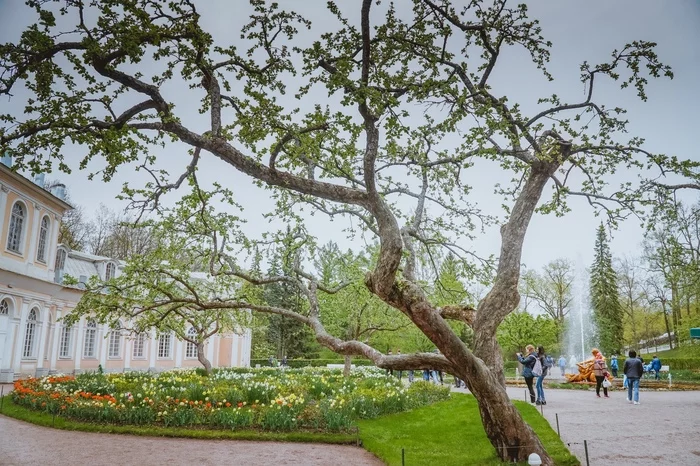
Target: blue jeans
(540,389)
(633,388)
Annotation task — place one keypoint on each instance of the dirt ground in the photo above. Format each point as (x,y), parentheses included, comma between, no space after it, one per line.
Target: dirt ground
(663,429)
(26,444)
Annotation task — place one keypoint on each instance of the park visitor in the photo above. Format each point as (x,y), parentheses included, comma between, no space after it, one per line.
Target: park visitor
(546,364)
(613,365)
(633,369)
(656,366)
(528,363)
(572,364)
(562,365)
(600,371)
(398,353)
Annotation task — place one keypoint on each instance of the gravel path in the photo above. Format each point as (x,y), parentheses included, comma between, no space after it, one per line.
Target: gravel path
(663,429)
(26,444)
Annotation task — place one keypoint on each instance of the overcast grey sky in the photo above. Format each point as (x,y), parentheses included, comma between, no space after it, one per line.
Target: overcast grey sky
(579,31)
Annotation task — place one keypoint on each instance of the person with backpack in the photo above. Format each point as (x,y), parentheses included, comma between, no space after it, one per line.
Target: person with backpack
(529,363)
(546,364)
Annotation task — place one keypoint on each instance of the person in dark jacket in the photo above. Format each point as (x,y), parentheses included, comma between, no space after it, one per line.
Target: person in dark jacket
(633,369)
(528,363)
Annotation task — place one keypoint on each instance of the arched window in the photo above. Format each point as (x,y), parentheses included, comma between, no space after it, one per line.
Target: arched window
(4,307)
(164,345)
(43,240)
(14,236)
(64,347)
(115,342)
(139,343)
(30,334)
(90,337)
(60,264)
(191,350)
(109,271)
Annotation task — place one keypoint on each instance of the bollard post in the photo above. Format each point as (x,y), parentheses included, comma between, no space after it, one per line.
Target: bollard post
(669,380)
(2,397)
(585,447)
(542,410)
(526,396)
(403,457)
(558,433)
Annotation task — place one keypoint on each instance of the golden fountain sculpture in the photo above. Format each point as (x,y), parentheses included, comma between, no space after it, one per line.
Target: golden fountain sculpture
(585,372)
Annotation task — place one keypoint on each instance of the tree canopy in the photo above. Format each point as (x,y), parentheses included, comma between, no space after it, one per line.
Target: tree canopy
(394,108)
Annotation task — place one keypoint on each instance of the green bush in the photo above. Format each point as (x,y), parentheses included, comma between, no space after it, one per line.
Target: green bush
(311,362)
(673,363)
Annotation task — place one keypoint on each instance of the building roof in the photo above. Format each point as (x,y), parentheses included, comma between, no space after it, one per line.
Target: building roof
(83,264)
(33,188)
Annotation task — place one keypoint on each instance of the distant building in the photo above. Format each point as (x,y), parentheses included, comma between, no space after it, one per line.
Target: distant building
(33,298)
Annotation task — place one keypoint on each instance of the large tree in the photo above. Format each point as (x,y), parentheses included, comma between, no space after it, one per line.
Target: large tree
(373,113)
(605,298)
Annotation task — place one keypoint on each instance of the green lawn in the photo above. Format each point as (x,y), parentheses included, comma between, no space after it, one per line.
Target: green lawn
(687,351)
(448,433)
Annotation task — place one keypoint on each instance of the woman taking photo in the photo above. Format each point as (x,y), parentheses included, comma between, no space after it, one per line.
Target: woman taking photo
(528,363)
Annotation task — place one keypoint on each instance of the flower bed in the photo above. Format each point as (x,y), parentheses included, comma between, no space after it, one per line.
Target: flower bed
(264,399)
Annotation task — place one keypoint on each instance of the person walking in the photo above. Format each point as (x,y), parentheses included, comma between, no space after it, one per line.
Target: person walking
(613,365)
(572,364)
(562,365)
(656,367)
(633,370)
(600,372)
(529,363)
(398,353)
(546,364)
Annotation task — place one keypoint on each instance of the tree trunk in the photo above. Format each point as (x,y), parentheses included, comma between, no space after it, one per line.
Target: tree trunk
(348,365)
(202,358)
(668,328)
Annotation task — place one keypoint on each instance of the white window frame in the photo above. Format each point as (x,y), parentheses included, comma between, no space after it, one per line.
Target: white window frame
(110,270)
(60,264)
(90,341)
(139,349)
(13,225)
(43,241)
(191,351)
(164,346)
(29,346)
(115,343)
(65,343)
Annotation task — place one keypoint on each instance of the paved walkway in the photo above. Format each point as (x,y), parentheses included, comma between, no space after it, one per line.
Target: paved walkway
(663,429)
(26,444)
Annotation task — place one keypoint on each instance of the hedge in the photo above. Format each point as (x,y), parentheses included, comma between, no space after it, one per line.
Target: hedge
(311,362)
(672,363)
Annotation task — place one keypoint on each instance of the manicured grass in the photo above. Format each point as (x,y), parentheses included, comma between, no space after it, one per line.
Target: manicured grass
(43,419)
(449,433)
(686,351)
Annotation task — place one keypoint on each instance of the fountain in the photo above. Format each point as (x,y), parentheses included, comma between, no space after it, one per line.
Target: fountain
(580,335)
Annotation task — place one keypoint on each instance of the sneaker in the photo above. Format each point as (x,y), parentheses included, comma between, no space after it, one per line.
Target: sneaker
(538,402)
(629,401)
(544,402)
(637,402)
(606,396)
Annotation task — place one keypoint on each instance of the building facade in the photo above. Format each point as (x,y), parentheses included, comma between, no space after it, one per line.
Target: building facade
(33,299)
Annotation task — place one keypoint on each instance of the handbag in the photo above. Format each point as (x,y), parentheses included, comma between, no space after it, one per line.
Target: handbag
(607,383)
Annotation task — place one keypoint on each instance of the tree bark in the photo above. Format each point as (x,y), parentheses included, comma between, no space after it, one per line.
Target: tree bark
(201,357)
(348,365)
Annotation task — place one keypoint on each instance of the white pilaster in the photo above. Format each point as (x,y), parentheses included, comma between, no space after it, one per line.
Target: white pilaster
(178,352)
(57,332)
(3,208)
(45,313)
(128,350)
(235,340)
(79,343)
(21,332)
(152,347)
(31,255)
(103,342)
(11,338)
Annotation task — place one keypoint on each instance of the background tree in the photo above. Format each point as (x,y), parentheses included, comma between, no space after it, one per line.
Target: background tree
(351,145)
(605,301)
(521,328)
(551,291)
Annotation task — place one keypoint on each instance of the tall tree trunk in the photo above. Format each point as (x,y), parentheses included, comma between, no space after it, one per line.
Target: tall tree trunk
(201,357)
(668,328)
(348,365)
